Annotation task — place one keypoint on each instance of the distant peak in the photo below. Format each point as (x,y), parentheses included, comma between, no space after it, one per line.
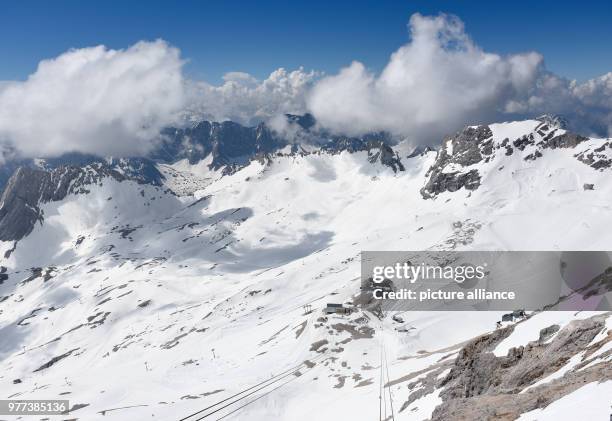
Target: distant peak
(555,121)
(305,121)
(420,150)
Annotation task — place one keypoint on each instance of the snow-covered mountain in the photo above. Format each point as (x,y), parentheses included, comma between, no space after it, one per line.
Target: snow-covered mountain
(176,284)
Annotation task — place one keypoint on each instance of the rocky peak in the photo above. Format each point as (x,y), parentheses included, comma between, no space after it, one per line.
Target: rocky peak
(554,121)
(227,143)
(463,157)
(28,188)
(420,150)
(482,385)
(467,147)
(231,145)
(305,121)
(377,147)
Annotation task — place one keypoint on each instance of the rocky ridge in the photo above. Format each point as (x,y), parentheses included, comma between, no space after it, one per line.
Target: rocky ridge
(483,386)
(465,156)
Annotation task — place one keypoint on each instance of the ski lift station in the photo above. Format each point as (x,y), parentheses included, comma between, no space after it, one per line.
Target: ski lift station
(332,308)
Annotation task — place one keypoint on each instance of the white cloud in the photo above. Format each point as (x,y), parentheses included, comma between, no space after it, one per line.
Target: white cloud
(587,105)
(435,83)
(114,102)
(93,100)
(438,82)
(244,99)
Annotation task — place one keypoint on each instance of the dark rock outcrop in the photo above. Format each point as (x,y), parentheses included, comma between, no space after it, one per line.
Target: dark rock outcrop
(470,146)
(227,142)
(28,188)
(597,158)
(231,145)
(419,151)
(377,147)
(53,179)
(475,145)
(565,140)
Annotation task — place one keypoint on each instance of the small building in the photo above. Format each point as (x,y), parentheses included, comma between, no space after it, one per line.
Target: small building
(516,314)
(508,317)
(332,308)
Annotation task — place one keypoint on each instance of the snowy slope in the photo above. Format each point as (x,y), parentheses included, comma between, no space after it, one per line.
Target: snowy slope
(137,301)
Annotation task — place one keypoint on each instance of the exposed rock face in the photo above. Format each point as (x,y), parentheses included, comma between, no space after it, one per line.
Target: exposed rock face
(419,151)
(386,156)
(468,147)
(555,121)
(451,182)
(231,145)
(377,148)
(141,170)
(227,142)
(598,158)
(462,160)
(28,188)
(8,168)
(305,121)
(474,371)
(483,386)
(565,140)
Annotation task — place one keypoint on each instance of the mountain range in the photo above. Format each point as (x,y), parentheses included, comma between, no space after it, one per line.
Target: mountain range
(190,283)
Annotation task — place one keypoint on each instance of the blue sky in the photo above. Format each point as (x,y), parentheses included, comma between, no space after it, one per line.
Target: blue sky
(260,36)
